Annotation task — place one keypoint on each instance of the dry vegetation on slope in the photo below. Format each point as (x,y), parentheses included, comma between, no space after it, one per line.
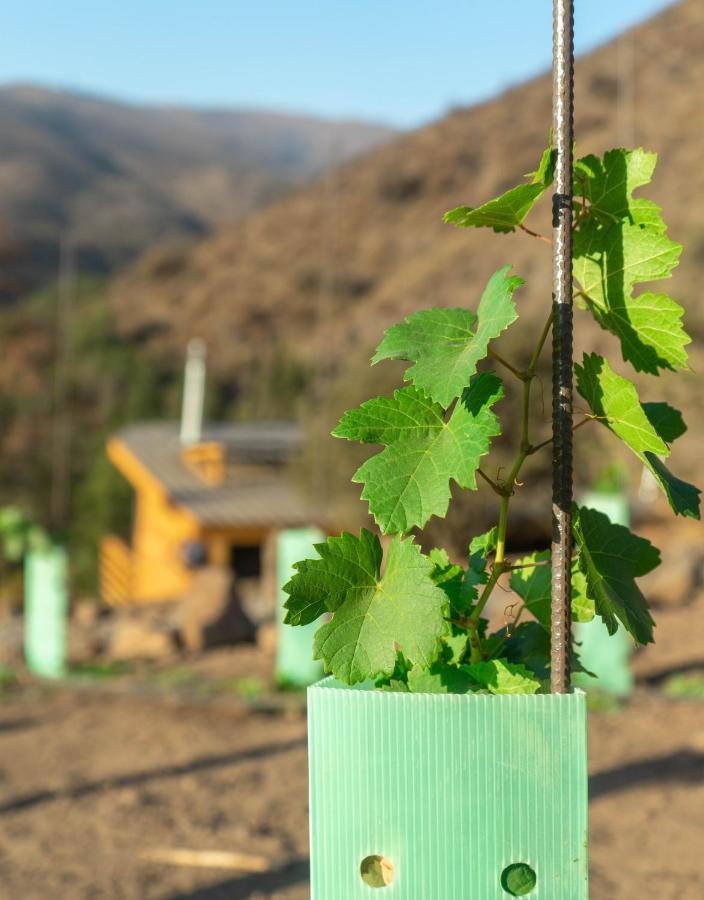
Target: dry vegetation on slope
(117,177)
(318,275)
(294,298)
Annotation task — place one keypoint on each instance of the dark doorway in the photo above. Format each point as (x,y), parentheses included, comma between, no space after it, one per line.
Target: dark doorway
(246,560)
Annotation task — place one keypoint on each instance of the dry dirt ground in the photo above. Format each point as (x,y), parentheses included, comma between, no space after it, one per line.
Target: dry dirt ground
(89,779)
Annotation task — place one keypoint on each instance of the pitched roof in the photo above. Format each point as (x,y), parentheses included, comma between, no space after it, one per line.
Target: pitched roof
(256,492)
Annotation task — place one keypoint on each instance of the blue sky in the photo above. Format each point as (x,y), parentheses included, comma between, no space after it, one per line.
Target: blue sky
(399,61)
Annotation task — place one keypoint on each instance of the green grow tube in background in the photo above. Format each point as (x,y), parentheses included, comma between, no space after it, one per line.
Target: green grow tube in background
(447,796)
(295,665)
(45,611)
(605,655)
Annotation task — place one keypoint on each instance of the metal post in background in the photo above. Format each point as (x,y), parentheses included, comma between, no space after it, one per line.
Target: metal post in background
(626,101)
(563,136)
(60,494)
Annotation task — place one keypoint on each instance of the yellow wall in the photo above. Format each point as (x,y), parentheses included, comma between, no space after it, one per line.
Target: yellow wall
(160,529)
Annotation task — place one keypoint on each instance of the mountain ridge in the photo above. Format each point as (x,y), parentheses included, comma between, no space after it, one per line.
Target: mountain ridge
(292,299)
(318,275)
(118,176)
(417,176)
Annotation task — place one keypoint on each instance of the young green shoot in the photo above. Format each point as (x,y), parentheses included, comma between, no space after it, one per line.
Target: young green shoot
(416,622)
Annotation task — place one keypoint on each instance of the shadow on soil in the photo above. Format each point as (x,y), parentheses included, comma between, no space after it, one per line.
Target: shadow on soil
(17,725)
(137,778)
(245,886)
(656,679)
(683,767)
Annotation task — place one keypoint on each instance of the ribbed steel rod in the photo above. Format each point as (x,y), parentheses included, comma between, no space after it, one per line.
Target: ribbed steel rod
(563,135)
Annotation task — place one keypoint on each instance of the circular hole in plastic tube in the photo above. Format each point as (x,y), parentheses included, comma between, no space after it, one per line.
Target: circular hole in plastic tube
(376,871)
(518,879)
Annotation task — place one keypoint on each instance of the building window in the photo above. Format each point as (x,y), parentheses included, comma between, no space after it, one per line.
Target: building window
(246,560)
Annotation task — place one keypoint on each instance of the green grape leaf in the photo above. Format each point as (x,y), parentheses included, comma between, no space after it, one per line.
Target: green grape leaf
(682,496)
(614,400)
(608,185)
(439,557)
(545,172)
(493,644)
(446,345)
(409,481)
(454,645)
(453,580)
(503,214)
(345,565)
(409,415)
(582,603)
(481,547)
(507,212)
(402,610)
(461,585)
(611,558)
(532,583)
(621,243)
(441,678)
(502,677)
(518,879)
(398,679)
(393,685)
(609,260)
(666,420)
(650,329)
(529,644)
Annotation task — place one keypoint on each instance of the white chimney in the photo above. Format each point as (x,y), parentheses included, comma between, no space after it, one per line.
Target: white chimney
(193,393)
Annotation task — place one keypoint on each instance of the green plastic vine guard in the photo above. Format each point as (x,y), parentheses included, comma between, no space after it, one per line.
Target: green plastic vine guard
(45,611)
(606,656)
(459,796)
(295,665)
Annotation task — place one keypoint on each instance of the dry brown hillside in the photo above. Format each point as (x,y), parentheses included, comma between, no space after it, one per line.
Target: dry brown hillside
(117,177)
(320,274)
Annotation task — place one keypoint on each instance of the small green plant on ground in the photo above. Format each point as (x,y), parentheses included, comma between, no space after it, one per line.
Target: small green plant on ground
(8,678)
(19,534)
(603,702)
(415,622)
(247,688)
(685,686)
(98,670)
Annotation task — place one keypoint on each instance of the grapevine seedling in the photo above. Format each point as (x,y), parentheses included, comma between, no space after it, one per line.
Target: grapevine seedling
(415,622)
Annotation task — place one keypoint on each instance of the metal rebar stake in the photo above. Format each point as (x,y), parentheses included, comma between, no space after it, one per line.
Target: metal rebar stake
(563,133)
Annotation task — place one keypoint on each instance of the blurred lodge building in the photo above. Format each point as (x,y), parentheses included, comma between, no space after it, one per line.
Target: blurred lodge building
(228,489)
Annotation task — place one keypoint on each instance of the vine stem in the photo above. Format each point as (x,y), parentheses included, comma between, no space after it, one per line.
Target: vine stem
(536,447)
(530,565)
(500,565)
(517,617)
(499,359)
(541,343)
(490,481)
(536,234)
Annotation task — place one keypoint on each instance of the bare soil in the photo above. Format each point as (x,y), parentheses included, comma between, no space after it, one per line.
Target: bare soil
(91,778)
